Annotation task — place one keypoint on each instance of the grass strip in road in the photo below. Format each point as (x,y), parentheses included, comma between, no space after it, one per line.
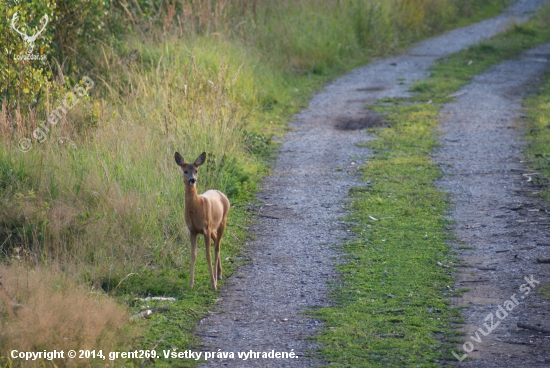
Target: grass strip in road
(458,69)
(390,305)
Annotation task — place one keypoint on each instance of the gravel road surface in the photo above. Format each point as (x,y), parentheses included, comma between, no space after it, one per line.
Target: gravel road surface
(496,214)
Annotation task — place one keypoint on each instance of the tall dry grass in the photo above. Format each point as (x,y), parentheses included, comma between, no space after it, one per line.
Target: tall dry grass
(44,310)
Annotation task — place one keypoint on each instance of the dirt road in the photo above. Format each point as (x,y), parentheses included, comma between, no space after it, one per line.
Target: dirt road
(298,230)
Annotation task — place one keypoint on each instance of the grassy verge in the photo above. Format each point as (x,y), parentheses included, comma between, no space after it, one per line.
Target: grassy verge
(537,135)
(390,306)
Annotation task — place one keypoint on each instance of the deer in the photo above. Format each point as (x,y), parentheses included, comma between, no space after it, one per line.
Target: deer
(205,214)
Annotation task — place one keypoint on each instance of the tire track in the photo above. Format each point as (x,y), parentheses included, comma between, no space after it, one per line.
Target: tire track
(481,157)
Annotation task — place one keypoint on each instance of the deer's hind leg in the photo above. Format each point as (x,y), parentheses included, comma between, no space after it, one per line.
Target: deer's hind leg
(217,262)
(217,250)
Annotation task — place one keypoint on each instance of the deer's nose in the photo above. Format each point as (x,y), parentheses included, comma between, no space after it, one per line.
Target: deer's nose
(192,181)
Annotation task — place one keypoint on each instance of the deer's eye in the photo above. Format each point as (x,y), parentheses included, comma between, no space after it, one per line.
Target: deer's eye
(185,171)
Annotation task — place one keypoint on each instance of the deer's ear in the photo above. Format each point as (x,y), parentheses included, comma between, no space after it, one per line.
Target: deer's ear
(200,160)
(179,160)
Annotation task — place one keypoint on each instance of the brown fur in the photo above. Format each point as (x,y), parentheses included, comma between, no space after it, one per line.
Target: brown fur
(205,214)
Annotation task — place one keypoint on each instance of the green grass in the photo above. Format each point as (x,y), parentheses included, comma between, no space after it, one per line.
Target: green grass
(393,264)
(537,135)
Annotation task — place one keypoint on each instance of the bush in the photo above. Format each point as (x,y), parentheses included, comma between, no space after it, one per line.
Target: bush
(32,77)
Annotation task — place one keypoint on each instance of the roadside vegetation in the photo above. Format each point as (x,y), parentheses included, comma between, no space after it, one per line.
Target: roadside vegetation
(390,304)
(537,136)
(89,191)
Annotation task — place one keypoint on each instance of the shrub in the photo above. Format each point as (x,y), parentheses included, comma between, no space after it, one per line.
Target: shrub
(30,80)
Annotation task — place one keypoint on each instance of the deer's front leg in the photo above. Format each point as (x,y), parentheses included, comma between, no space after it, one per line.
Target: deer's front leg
(207,242)
(193,238)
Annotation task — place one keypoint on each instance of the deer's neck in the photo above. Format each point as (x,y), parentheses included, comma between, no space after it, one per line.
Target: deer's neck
(192,198)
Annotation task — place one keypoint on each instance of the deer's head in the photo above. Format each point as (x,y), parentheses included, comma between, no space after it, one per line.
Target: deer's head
(190,171)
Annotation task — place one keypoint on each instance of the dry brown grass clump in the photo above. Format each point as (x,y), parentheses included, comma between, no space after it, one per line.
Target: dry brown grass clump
(42,310)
